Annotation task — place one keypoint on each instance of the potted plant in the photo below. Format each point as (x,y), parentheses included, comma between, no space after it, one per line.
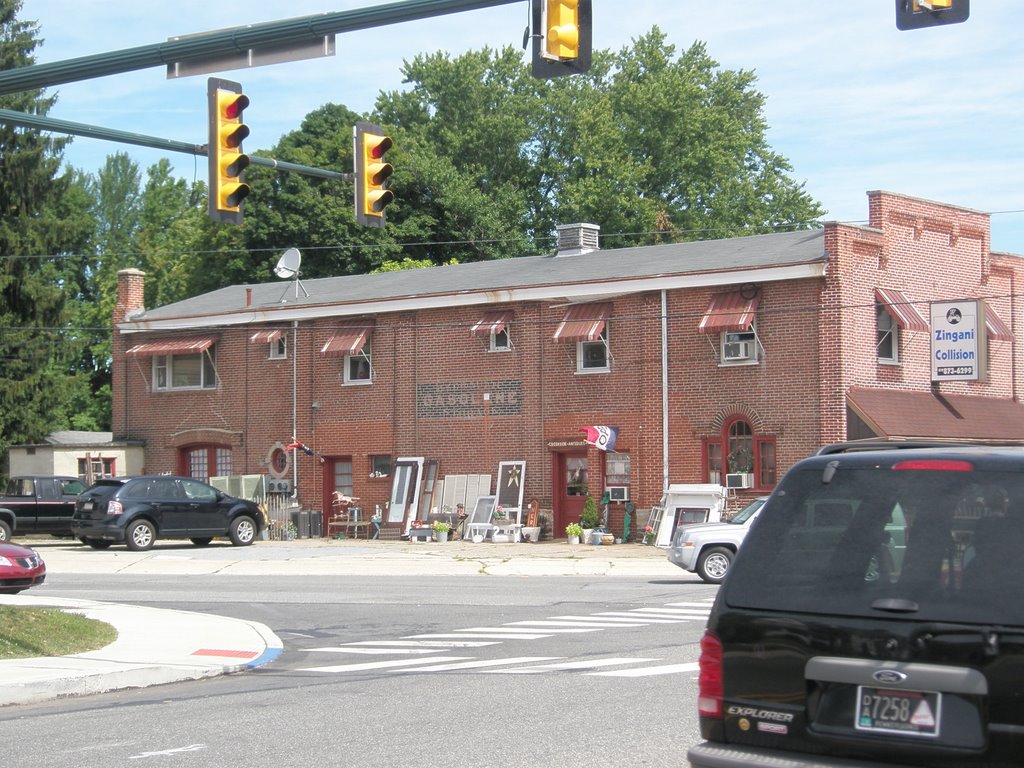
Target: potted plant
(573,531)
(741,460)
(648,534)
(589,520)
(441,529)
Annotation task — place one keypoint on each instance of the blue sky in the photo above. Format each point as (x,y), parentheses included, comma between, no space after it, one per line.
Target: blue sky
(854,104)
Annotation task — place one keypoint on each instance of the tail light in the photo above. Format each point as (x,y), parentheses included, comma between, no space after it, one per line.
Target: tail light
(710,688)
(114,507)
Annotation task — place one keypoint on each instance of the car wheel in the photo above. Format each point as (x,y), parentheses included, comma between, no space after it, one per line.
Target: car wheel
(5,531)
(97,543)
(713,564)
(141,535)
(202,541)
(243,531)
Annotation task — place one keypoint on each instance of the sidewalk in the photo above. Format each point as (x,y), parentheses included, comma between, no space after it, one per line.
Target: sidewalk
(153,646)
(157,646)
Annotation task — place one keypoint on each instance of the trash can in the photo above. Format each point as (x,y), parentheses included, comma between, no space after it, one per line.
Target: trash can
(300,520)
(316,524)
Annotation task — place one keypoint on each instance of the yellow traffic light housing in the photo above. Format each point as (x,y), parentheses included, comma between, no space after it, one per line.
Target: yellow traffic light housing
(227,161)
(562,35)
(371,173)
(915,14)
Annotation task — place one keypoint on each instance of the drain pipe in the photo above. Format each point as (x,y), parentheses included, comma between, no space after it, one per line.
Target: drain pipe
(664,391)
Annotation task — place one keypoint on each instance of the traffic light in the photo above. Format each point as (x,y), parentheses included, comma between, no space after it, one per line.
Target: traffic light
(227,161)
(915,14)
(371,172)
(562,32)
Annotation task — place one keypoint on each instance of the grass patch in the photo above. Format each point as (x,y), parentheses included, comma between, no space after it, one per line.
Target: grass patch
(31,632)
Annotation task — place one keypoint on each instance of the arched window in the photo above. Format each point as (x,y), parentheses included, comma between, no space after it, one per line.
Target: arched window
(737,449)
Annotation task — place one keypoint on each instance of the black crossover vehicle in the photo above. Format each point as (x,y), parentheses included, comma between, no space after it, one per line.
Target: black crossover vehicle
(140,510)
(874,617)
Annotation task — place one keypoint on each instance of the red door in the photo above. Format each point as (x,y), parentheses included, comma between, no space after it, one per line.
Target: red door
(571,486)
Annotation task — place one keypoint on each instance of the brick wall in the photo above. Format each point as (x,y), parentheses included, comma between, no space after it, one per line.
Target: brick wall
(438,392)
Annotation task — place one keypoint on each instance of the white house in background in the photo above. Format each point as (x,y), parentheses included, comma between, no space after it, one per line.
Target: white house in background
(86,455)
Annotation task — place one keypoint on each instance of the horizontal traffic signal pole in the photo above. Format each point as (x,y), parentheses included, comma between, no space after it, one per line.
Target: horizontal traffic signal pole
(141,140)
(209,45)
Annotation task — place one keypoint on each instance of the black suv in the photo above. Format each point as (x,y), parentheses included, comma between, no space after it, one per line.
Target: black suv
(140,510)
(874,617)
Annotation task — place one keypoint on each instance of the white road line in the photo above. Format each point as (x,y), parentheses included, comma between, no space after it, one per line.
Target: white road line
(493,635)
(512,626)
(649,619)
(706,605)
(666,669)
(568,665)
(388,651)
(619,621)
(428,643)
(673,611)
(369,665)
(480,664)
(583,626)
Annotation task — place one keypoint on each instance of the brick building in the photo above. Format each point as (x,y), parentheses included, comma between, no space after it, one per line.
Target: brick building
(735,356)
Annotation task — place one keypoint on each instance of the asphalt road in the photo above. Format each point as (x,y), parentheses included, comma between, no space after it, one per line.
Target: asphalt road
(410,671)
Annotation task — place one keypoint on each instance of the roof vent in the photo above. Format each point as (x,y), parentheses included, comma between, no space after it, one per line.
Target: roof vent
(574,239)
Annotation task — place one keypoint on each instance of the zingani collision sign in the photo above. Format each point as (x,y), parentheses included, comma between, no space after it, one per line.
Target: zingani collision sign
(958,340)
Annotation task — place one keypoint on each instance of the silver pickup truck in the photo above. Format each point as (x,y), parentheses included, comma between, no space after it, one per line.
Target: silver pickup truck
(708,549)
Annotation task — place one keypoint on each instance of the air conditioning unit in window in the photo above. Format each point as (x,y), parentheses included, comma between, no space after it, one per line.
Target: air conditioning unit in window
(617,493)
(737,480)
(734,351)
(279,486)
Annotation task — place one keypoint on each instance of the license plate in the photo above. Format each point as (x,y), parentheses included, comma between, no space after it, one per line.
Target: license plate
(907,713)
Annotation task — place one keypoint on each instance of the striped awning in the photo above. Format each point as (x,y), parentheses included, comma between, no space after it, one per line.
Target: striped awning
(181,346)
(348,341)
(491,322)
(583,322)
(266,337)
(729,313)
(995,326)
(903,312)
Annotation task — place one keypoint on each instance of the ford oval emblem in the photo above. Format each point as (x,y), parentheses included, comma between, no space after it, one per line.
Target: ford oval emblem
(889,677)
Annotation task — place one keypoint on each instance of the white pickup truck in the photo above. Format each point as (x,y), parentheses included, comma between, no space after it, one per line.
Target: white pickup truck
(708,549)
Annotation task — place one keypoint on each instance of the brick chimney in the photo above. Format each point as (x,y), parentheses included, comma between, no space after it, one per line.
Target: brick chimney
(130,286)
(576,239)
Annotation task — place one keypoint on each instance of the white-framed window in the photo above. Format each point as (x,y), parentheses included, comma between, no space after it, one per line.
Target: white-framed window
(193,371)
(359,367)
(279,348)
(500,341)
(205,461)
(593,356)
(739,347)
(887,341)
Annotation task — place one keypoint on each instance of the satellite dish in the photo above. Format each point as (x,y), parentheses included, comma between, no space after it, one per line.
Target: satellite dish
(288,265)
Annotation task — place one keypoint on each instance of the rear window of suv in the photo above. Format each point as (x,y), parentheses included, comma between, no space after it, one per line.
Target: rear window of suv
(934,539)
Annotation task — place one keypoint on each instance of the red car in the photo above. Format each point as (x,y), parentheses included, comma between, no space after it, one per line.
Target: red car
(20,568)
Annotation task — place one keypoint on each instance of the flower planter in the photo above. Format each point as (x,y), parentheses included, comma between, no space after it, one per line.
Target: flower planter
(574,539)
(440,535)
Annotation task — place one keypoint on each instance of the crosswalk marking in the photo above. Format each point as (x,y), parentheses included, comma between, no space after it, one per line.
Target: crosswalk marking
(566,666)
(480,664)
(581,626)
(369,651)
(639,616)
(417,649)
(690,666)
(514,627)
(495,635)
(429,643)
(370,665)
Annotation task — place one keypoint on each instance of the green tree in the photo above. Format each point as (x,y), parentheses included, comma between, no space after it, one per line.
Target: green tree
(38,370)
